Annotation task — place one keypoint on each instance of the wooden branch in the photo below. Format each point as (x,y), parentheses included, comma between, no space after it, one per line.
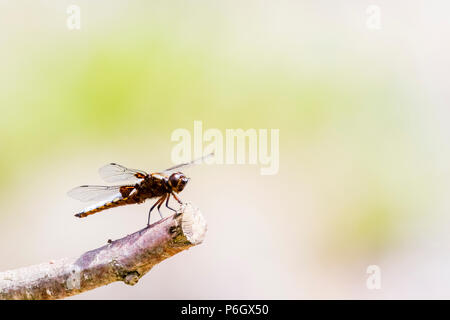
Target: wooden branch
(126,259)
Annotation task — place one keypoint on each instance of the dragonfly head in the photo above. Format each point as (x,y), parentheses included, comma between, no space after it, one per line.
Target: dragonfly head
(178,181)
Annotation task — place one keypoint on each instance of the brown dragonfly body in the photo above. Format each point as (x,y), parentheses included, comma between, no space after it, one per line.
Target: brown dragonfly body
(152,186)
(147,186)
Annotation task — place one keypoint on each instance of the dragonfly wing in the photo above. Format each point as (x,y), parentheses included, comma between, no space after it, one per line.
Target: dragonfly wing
(114,172)
(94,193)
(188,164)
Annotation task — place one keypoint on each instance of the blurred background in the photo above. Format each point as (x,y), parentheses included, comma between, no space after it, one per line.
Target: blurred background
(364,154)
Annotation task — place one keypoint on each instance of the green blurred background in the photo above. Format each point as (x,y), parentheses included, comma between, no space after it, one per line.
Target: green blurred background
(363,140)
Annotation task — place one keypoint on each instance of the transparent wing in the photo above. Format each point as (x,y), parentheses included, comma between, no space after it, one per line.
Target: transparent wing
(114,172)
(188,164)
(91,193)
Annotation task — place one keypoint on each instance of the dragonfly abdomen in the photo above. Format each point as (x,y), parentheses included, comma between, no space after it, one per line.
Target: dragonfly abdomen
(116,201)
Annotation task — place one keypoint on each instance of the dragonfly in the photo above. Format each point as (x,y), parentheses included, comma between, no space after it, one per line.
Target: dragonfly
(140,187)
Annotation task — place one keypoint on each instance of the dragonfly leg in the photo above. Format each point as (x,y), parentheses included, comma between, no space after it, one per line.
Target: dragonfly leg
(167,203)
(160,204)
(154,205)
(176,198)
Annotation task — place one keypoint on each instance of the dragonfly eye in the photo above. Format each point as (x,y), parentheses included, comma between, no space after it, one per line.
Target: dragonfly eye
(178,181)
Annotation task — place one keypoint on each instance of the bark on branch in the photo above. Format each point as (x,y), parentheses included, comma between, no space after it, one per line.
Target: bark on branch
(126,259)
